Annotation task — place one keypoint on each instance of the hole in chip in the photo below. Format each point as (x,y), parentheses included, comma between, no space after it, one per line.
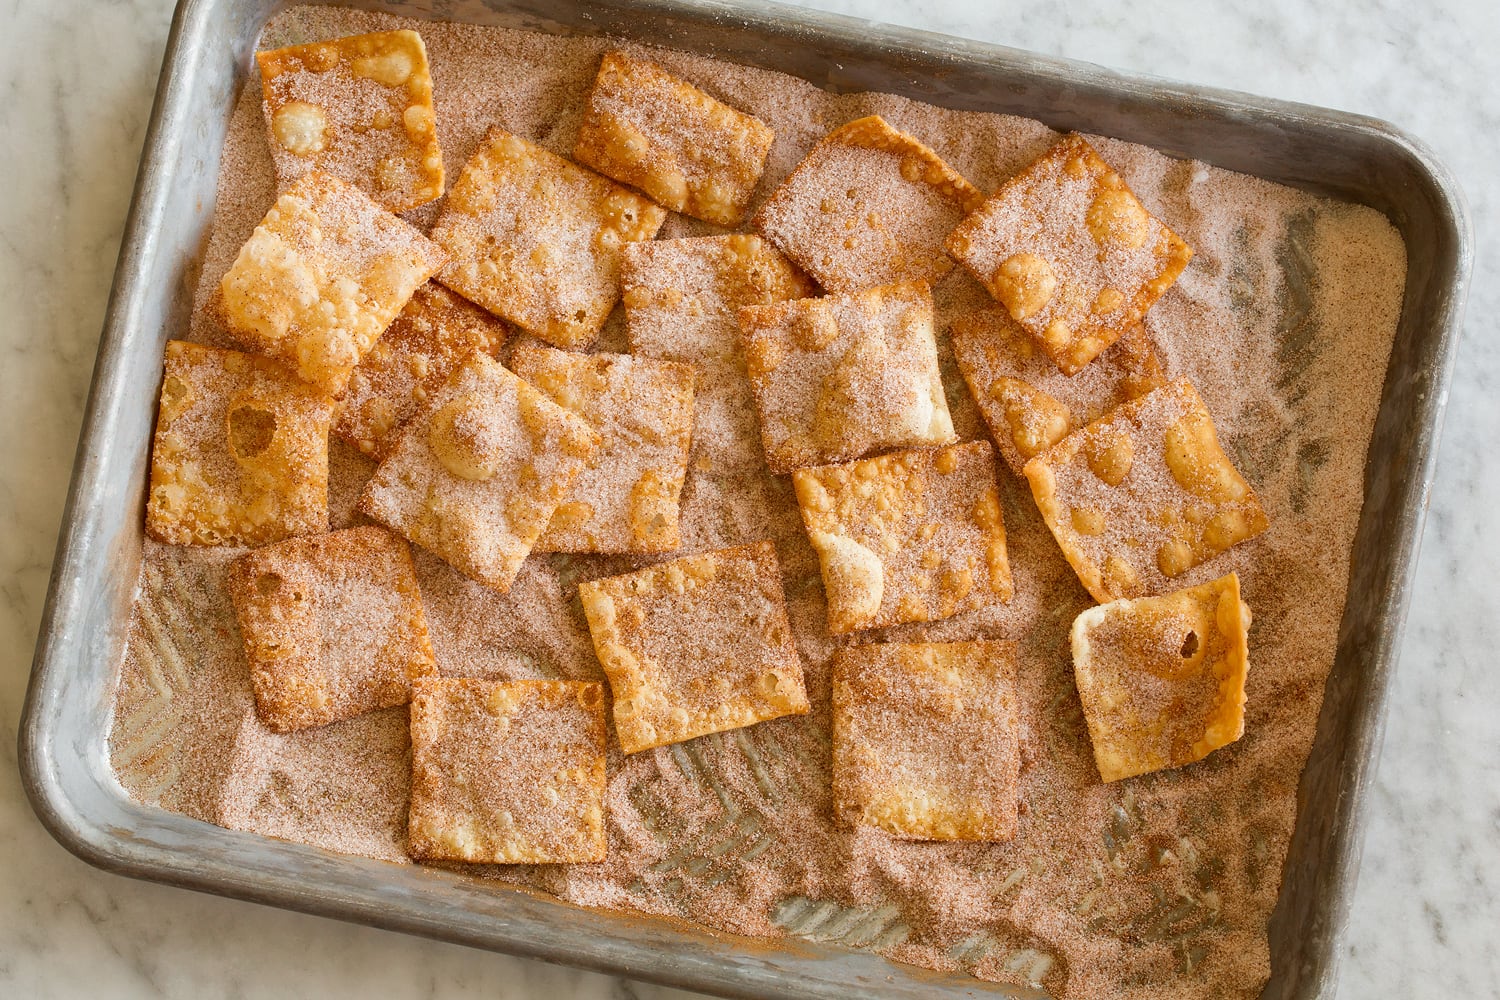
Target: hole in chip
(580,315)
(267,584)
(590,696)
(250,431)
(1190,645)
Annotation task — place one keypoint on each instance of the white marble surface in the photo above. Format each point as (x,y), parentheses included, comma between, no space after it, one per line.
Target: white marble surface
(77,79)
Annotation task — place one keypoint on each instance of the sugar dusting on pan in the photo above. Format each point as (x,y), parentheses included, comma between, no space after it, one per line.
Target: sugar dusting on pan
(1157,887)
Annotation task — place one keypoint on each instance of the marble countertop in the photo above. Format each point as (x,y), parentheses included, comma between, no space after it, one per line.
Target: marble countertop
(77,81)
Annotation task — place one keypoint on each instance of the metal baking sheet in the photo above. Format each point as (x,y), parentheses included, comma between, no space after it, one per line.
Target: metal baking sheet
(64,757)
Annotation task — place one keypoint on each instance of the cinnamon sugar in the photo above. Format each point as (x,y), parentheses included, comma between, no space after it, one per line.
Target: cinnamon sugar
(1151,888)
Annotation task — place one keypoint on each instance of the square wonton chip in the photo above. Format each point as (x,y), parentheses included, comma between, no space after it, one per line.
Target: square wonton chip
(912,536)
(507,772)
(626,497)
(434,333)
(1069,250)
(332,624)
(477,475)
(1162,679)
(321,278)
(697,645)
(1027,404)
(926,739)
(240,455)
(682,303)
(868,206)
(844,375)
(689,152)
(536,239)
(1143,494)
(359,108)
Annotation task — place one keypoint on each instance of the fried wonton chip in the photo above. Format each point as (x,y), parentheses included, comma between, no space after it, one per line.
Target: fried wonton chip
(321,278)
(507,772)
(434,333)
(1162,679)
(477,475)
(240,455)
(1027,404)
(912,536)
(844,375)
(926,739)
(359,108)
(689,152)
(1144,494)
(1070,252)
(626,497)
(536,239)
(697,645)
(332,625)
(868,206)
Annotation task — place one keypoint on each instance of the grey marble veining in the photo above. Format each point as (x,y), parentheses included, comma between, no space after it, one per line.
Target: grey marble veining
(76,79)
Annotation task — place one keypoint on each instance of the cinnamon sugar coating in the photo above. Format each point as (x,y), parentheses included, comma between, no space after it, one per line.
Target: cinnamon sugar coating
(913,536)
(925,739)
(332,626)
(359,108)
(1144,494)
(1027,404)
(1162,679)
(537,239)
(507,772)
(322,276)
(1071,252)
(694,646)
(240,455)
(687,151)
(868,205)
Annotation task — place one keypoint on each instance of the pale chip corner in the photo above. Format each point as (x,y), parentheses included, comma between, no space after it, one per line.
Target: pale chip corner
(1162,679)
(507,772)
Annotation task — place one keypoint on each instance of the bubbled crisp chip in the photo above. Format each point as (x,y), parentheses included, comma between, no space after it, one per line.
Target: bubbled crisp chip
(694,646)
(1070,252)
(1027,404)
(1162,679)
(332,625)
(869,205)
(912,536)
(926,739)
(434,333)
(1144,494)
(321,278)
(689,152)
(240,455)
(626,497)
(476,476)
(840,376)
(359,108)
(537,239)
(507,772)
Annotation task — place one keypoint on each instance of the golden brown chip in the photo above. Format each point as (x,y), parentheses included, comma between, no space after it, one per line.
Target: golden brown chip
(694,646)
(537,239)
(1162,679)
(359,108)
(332,626)
(434,333)
(507,772)
(689,152)
(912,536)
(476,476)
(926,739)
(1144,494)
(1070,252)
(322,276)
(240,455)
(1026,402)
(868,206)
(626,497)
(844,375)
